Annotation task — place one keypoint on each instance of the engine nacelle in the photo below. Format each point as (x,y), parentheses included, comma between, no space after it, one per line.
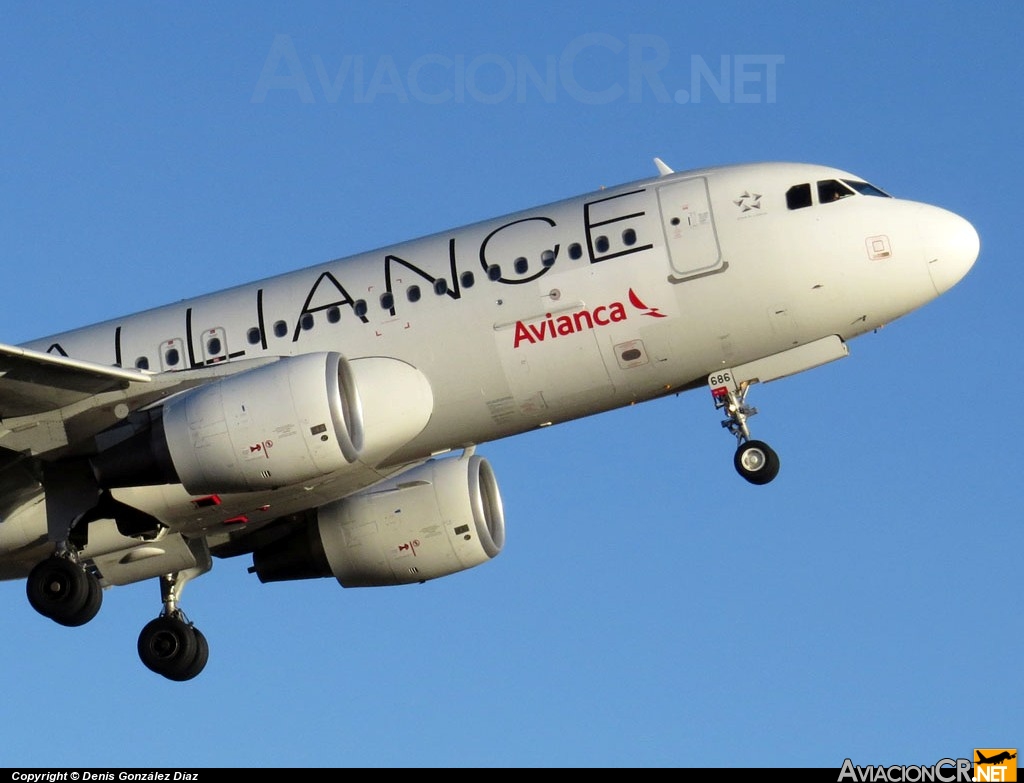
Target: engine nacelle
(270,427)
(281,424)
(439,518)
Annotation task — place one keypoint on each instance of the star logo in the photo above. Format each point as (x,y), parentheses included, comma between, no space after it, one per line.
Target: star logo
(748,201)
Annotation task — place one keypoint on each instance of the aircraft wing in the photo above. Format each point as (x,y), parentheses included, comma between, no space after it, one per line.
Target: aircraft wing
(32,382)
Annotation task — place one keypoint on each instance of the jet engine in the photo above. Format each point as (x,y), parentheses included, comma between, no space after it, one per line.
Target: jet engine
(284,423)
(439,518)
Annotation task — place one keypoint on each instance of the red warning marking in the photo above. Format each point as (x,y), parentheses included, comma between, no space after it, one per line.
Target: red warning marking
(409,546)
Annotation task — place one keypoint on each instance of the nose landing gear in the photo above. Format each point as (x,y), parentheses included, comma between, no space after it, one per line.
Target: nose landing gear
(754,460)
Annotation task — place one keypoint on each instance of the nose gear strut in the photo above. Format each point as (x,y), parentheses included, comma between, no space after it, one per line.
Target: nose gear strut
(755,460)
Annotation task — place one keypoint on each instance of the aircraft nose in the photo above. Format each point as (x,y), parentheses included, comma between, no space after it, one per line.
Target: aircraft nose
(951,247)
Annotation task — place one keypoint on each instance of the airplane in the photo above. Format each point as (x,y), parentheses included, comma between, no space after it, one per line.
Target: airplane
(999,758)
(325,421)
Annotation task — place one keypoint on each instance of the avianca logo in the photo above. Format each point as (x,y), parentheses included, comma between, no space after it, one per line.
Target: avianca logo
(581,320)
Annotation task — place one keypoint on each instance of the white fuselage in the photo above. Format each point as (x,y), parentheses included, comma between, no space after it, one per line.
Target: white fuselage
(562,311)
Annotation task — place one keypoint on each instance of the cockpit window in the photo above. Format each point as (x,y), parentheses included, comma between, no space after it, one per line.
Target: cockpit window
(829,190)
(865,189)
(799,196)
(832,190)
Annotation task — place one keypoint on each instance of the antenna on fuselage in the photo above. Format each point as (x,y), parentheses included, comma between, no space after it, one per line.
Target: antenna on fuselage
(662,168)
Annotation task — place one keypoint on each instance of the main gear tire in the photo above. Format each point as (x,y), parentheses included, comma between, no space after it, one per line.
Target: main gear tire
(60,589)
(168,646)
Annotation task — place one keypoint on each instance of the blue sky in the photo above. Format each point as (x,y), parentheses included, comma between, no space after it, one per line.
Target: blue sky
(650,609)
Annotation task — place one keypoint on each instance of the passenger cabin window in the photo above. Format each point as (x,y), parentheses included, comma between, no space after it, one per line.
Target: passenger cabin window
(333,314)
(253,335)
(830,190)
(799,196)
(142,363)
(172,357)
(280,329)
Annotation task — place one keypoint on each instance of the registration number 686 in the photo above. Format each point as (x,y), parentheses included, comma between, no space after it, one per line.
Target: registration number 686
(723,378)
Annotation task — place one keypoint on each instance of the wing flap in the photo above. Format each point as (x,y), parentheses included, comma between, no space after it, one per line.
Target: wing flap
(32,382)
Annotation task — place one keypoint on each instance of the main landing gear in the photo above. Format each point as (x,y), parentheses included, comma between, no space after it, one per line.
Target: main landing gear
(68,593)
(128,546)
(754,460)
(170,645)
(63,590)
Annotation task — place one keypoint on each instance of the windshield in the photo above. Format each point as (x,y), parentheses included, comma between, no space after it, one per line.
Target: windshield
(832,190)
(865,189)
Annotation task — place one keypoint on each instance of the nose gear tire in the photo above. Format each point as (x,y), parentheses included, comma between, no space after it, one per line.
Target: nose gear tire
(756,461)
